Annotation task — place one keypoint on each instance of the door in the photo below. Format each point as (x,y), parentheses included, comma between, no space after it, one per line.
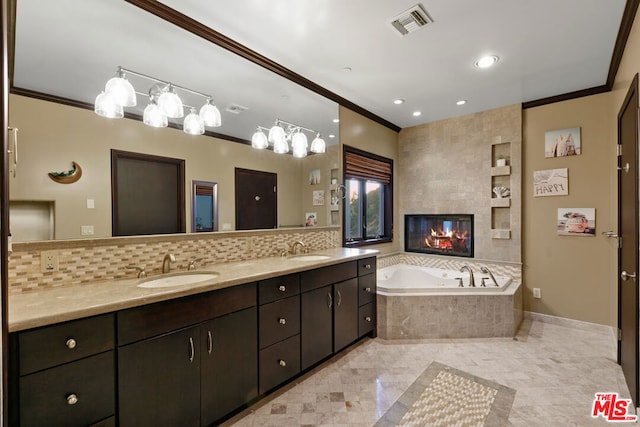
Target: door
(256,199)
(628,232)
(159,381)
(316,325)
(345,320)
(229,363)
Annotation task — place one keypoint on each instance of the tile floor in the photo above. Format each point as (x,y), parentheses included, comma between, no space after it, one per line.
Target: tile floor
(555,370)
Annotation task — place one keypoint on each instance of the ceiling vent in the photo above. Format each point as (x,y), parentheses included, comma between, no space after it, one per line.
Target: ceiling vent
(411,20)
(236,109)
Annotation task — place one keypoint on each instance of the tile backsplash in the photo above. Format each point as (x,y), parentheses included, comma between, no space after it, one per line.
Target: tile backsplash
(85,261)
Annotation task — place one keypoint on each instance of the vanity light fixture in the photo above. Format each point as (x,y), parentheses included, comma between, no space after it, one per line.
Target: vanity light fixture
(486,61)
(164,103)
(279,138)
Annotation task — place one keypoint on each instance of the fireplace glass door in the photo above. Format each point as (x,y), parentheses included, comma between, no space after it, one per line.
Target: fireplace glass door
(439,234)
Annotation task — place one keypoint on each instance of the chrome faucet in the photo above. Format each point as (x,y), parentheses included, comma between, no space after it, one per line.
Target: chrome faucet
(166,262)
(300,243)
(486,270)
(472,283)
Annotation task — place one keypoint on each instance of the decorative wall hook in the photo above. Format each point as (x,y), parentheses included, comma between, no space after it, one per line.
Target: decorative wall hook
(68,177)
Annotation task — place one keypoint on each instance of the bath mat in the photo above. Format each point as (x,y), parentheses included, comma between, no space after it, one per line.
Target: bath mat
(445,396)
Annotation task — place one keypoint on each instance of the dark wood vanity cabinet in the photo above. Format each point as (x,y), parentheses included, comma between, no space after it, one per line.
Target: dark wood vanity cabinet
(202,366)
(64,374)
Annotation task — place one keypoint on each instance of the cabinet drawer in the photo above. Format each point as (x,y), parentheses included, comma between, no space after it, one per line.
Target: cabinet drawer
(279,320)
(279,362)
(366,319)
(278,288)
(53,345)
(155,319)
(320,277)
(367,289)
(366,266)
(46,397)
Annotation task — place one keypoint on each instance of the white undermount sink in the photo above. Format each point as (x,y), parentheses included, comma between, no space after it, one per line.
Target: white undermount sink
(310,258)
(178,280)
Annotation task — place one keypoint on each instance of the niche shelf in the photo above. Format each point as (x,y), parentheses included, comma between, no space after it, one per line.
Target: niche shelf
(500,177)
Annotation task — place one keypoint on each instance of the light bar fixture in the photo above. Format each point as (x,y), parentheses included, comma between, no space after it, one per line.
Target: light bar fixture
(164,103)
(279,137)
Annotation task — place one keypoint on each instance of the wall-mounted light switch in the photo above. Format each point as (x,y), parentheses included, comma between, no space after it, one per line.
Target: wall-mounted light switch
(536,293)
(86,230)
(91,204)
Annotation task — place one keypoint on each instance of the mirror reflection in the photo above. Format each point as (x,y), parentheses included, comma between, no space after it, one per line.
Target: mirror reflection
(52,136)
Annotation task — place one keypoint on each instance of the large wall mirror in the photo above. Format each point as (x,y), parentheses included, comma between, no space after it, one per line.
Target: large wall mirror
(85,42)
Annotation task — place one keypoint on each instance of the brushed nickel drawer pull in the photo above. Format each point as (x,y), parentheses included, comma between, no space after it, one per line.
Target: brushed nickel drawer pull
(367,290)
(71,343)
(367,266)
(282,288)
(282,363)
(368,318)
(282,321)
(192,351)
(72,399)
(209,342)
(339,301)
(329,300)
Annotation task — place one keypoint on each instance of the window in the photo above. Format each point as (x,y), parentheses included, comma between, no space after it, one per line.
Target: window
(368,198)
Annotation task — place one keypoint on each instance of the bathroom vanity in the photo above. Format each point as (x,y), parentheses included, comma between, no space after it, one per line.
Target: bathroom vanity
(190,357)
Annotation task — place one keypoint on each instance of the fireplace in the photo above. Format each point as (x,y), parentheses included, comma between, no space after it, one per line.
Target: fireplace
(446,234)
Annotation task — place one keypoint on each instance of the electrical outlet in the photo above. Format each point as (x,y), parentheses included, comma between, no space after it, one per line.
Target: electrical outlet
(536,293)
(86,230)
(48,261)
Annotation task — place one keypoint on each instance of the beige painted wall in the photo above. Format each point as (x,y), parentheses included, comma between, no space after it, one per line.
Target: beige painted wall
(65,134)
(325,163)
(576,275)
(360,132)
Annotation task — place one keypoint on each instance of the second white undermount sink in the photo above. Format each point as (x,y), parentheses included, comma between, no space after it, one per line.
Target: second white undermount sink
(309,258)
(178,280)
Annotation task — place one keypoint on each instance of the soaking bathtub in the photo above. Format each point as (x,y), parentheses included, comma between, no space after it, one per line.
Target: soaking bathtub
(417,302)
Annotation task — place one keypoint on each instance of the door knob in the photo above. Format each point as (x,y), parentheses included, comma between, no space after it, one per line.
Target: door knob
(626,276)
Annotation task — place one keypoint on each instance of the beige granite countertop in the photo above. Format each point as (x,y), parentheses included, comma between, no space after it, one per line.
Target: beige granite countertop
(53,305)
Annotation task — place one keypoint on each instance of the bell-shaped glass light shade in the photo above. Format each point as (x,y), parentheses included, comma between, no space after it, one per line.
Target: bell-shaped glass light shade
(171,104)
(299,144)
(281,146)
(277,135)
(106,106)
(121,90)
(318,145)
(259,140)
(153,116)
(193,124)
(210,115)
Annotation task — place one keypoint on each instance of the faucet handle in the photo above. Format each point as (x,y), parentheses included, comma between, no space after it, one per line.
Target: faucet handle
(141,273)
(192,263)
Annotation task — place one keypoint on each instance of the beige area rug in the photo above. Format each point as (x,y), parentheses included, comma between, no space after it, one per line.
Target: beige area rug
(445,396)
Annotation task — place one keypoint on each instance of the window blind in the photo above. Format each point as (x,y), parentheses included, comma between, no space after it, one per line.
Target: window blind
(363,167)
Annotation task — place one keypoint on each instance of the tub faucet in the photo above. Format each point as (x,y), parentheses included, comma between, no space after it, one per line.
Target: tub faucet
(486,270)
(297,243)
(166,262)
(472,283)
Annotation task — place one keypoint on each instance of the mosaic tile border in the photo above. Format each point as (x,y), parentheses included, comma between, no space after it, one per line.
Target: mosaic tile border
(88,261)
(410,402)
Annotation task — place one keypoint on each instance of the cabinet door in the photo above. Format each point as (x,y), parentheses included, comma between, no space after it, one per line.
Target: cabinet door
(159,381)
(229,371)
(316,325)
(345,320)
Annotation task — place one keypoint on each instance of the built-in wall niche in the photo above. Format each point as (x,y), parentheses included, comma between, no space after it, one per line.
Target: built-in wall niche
(31,220)
(501,187)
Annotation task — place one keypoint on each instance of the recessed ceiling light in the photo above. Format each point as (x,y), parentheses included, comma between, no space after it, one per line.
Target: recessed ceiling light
(486,61)
(461,102)
(417,113)
(398,101)
(336,120)
(332,136)
(346,69)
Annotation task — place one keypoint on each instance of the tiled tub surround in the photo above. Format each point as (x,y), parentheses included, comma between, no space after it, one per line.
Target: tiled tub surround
(455,315)
(88,261)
